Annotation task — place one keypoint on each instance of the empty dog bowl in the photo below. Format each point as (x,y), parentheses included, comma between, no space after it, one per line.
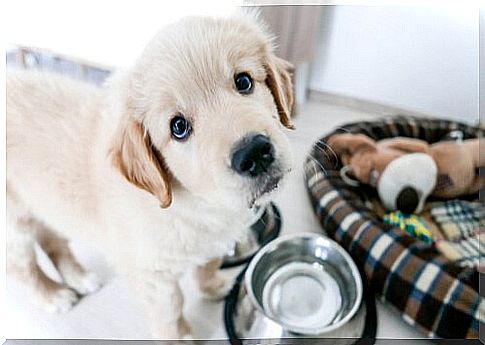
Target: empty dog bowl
(297,285)
(264,228)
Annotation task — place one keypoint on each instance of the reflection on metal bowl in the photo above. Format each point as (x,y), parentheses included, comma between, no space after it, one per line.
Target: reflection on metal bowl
(302,285)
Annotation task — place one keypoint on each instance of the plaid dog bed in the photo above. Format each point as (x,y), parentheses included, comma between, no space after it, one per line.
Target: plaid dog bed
(469,251)
(431,292)
(458,218)
(462,224)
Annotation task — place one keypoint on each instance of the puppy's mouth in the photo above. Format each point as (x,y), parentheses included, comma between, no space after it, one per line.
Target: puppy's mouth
(264,188)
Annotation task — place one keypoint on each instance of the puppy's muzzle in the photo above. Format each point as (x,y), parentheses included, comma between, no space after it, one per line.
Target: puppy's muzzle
(253,156)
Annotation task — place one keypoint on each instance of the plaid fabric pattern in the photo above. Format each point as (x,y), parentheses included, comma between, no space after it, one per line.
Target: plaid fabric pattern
(458,218)
(461,223)
(469,251)
(432,293)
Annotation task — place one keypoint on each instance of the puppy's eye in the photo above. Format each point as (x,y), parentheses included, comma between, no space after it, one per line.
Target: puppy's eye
(180,127)
(244,83)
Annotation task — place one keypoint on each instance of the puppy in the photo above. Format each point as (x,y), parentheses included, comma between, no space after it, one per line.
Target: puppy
(159,169)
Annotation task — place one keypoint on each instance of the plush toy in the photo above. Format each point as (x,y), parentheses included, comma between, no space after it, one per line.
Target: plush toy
(405,171)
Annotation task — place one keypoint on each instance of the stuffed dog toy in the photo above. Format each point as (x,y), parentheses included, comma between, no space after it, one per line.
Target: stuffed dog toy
(406,171)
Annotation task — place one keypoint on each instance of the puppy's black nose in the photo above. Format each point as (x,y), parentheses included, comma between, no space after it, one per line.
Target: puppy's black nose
(253,155)
(407,200)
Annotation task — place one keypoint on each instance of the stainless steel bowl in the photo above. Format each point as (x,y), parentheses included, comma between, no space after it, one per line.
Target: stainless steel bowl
(262,228)
(298,285)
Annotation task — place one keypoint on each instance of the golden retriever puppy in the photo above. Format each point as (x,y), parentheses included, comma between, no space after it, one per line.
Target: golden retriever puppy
(160,169)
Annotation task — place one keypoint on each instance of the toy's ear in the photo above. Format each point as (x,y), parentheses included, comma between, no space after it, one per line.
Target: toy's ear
(346,145)
(362,164)
(410,145)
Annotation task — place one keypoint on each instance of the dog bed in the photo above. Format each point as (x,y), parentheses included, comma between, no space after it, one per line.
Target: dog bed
(432,292)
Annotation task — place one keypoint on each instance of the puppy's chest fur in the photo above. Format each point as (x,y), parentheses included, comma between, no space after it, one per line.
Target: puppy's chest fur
(188,233)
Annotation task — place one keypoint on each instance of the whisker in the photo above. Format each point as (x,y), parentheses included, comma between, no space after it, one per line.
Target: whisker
(316,145)
(318,164)
(326,149)
(313,164)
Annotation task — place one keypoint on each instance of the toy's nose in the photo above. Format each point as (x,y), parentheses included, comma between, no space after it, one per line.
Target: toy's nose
(407,200)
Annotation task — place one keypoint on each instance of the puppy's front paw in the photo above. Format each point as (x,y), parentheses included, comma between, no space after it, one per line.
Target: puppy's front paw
(60,300)
(184,329)
(173,331)
(84,283)
(217,288)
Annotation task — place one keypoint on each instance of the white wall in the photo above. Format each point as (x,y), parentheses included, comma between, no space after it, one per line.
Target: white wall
(417,58)
(111,33)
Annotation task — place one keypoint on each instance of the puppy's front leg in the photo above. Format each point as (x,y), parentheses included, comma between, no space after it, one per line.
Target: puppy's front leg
(163,303)
(212,283)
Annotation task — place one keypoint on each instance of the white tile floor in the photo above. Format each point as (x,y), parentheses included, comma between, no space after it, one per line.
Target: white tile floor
(112,312)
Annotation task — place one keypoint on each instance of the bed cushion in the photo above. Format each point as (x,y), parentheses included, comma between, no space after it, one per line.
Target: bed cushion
(431,292)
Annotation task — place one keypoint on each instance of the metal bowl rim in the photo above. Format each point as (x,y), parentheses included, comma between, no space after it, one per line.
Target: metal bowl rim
(309,235)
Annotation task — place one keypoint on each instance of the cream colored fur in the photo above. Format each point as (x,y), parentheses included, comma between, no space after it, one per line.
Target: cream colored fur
(99,164)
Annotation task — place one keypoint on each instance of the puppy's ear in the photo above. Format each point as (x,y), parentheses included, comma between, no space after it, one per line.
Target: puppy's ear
(140,163)
(278,79)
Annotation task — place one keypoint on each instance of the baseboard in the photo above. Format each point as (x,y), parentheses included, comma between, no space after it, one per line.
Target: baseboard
(362,104)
